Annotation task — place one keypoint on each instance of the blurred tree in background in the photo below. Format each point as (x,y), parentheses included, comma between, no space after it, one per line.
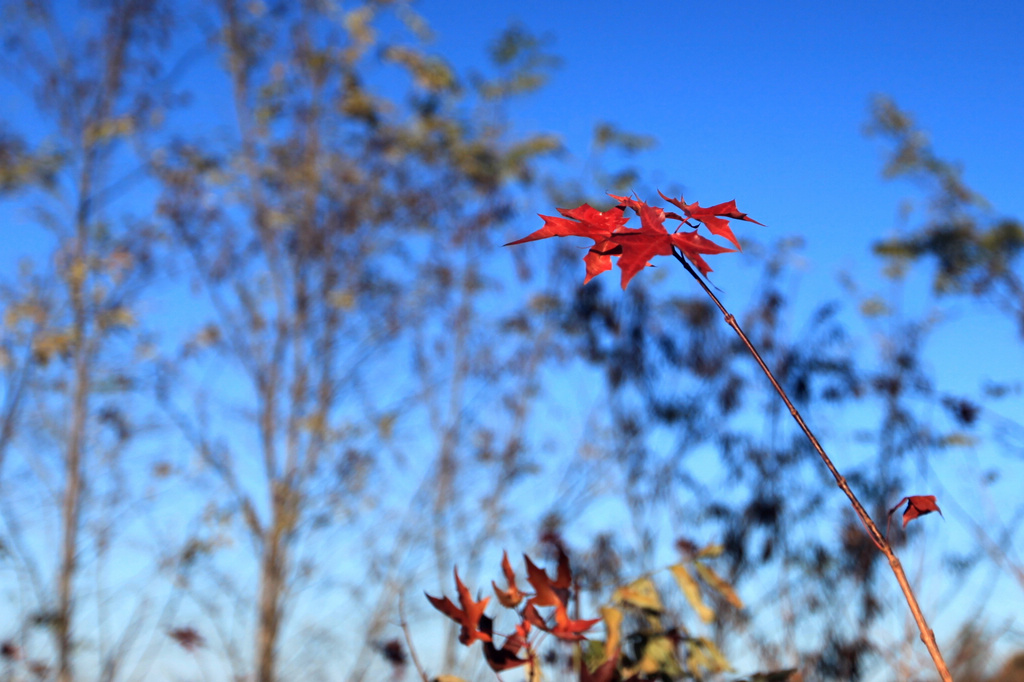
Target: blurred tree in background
(341,388)
(267,375)
(74,356)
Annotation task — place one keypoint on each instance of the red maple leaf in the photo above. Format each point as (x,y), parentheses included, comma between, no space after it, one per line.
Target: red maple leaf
(586,221)
(548,592)
(636,247)
(511,597)
(570,630)
(554,593)
(712,216)
(469,616)
(917,505)
(564,627)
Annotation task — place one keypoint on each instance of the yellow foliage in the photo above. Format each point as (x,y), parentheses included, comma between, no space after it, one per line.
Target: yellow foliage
(691,591)
(53,343)
(103,131)
(24,311)
(640,593)
(613,629)
(115,317)
(718,584)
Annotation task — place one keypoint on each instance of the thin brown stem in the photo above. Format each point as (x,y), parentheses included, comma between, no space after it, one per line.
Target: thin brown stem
(927,635)
(408,640)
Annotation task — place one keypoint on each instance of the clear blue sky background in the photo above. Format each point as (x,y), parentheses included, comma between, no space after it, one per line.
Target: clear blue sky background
(766,102)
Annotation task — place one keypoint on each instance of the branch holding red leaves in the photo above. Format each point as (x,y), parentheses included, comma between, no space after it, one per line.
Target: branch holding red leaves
(636,247)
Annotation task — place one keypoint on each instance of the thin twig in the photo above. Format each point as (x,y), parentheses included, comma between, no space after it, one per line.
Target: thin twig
(408,639)
(927,635)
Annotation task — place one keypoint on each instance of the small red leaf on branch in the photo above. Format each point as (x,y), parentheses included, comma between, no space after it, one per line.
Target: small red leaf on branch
(570,630)
(917,505)
(548,592)
(469,616)
(511,597)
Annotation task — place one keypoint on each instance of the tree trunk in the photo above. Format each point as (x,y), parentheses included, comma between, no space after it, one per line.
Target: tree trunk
(71,504)
(273,573)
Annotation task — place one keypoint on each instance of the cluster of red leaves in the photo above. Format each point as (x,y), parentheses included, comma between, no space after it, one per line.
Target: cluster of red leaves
(636,247)
(547,593)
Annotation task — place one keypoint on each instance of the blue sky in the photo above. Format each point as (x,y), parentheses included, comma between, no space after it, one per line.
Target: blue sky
(765,102)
